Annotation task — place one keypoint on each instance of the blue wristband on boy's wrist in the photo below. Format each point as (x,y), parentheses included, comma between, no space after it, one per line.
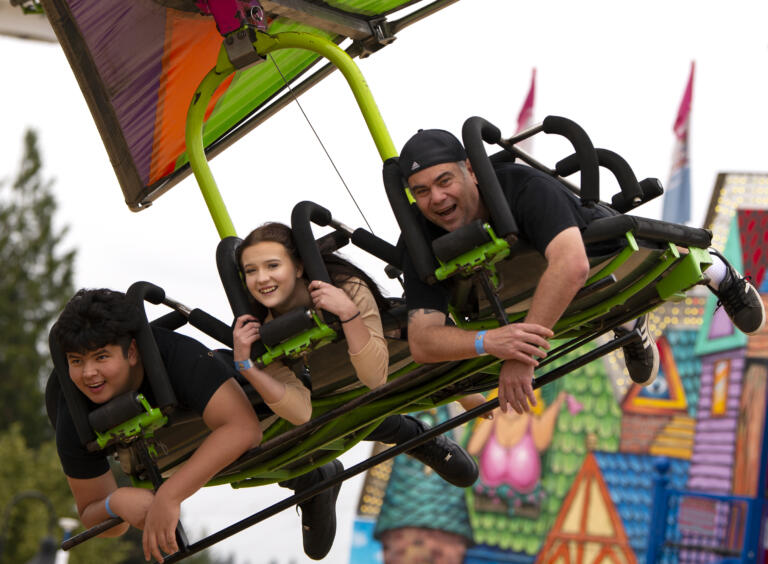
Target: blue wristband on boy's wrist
(479,346)
(109,509)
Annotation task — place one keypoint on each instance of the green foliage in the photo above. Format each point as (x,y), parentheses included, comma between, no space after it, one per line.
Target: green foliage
(36,469)
(35,285)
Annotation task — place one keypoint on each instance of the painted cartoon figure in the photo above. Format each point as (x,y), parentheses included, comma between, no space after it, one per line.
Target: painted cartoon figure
(509,448)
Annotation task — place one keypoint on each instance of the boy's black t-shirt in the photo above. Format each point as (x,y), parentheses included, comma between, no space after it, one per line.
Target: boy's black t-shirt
(542,208)
(195,375)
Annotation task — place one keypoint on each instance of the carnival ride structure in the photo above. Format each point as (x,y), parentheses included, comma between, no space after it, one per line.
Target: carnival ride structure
(137,65)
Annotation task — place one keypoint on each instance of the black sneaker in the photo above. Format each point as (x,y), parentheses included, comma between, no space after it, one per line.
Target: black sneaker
(740,299)
(641,357)
(318,515)
(451,462)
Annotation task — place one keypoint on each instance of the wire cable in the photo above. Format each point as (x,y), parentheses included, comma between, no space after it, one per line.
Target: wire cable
(327,154)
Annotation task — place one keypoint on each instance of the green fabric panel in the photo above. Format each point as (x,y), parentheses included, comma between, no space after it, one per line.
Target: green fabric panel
(365,7)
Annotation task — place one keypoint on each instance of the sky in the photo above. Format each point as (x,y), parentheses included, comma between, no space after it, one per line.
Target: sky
(616,68)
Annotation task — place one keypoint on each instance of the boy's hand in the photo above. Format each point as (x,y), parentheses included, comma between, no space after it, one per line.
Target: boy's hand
(160,527)
(132,504)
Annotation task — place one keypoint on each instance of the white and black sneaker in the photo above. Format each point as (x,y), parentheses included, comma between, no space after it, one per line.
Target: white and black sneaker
(641,357)
(740,299)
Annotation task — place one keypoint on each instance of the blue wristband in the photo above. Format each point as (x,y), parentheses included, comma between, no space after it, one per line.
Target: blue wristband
(479,347)
(109,509)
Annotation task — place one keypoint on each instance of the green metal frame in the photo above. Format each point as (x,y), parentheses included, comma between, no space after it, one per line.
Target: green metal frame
(144,425)
(485,256)
(264,45)
(314,338)
(672,274)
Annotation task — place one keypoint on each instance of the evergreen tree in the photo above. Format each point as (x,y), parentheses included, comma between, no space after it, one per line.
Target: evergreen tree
(35,285)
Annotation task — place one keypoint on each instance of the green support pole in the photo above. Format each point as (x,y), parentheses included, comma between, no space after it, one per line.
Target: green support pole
(264,45)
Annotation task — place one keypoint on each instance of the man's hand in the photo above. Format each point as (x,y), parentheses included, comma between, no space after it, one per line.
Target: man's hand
(160,527)
(515,386)
(518,341)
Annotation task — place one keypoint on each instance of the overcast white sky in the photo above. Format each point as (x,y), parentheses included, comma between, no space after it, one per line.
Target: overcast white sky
(616,68)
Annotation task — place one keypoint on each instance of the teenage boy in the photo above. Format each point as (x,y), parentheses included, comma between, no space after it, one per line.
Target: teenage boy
(96,332)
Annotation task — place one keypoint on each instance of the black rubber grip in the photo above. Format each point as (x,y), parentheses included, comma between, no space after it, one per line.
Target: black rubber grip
(376,246)
(303,213)
(285,326)
(474,132)
(154,368)
(171,321)
(458,242)
(585,153)
(651,188)
(333,241)
(415,241)
(117,410)
(211,326)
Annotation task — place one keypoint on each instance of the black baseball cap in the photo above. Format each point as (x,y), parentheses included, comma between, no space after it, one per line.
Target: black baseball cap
(430,147)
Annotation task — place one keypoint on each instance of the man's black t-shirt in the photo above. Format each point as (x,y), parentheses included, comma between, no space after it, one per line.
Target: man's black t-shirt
(195,375)
(542,208)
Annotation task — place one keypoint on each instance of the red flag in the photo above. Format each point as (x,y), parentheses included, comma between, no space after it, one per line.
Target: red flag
(525,117)
(677,197)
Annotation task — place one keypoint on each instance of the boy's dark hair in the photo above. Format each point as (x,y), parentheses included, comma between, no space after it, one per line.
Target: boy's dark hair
(95,318)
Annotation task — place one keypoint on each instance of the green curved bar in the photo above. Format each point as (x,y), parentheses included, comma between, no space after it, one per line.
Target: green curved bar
(264,45)
(196,151)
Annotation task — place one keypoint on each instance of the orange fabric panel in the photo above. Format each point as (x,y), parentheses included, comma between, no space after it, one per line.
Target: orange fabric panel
(191,48)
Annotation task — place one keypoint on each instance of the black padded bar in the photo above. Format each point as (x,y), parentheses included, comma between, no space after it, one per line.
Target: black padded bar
(171,320)
(474,132)
(154,368)
(377,246)
(631,193)
(585,152)
(229,273)
(652,188)
(643,228)
(415,242)
(458,242)
(292,323)
(211,326)
(302,214)
(116,411)
(333,241)
(75,400)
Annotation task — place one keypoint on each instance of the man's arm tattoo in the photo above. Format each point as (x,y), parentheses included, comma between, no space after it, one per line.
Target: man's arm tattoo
(426,311)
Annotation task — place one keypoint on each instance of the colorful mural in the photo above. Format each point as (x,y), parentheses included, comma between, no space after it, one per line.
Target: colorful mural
(573,482)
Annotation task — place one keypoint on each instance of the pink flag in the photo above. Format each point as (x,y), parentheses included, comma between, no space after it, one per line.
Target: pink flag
(677,196)
(525,117)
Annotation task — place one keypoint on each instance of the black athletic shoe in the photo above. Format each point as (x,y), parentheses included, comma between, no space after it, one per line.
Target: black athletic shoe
(641,358)
(740,299)
(318,515)
(451,462)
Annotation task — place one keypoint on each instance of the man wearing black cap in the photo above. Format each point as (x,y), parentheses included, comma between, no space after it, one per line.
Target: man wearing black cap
(550,219)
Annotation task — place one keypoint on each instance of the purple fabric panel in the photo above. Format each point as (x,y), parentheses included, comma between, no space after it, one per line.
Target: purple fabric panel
(722,449)
(721,325)
(711,471)
(710,485)
(719,424)
(130,68)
